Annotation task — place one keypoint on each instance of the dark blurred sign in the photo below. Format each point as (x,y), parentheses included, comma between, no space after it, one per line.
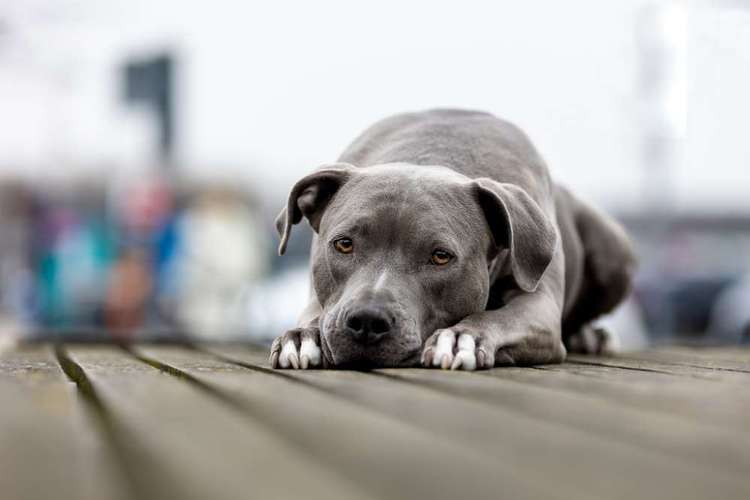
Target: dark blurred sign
(149,82)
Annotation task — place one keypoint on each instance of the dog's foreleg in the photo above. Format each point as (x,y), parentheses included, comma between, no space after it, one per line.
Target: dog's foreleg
(526,330)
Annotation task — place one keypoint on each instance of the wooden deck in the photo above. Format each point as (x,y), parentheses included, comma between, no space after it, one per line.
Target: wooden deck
(156,422)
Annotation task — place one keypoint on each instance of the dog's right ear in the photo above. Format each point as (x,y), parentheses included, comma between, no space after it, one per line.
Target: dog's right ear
(309,197)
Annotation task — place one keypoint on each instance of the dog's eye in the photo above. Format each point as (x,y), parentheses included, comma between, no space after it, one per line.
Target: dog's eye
(440,257)
(344,245)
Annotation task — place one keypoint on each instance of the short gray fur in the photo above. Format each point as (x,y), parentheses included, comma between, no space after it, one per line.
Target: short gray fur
(532,267)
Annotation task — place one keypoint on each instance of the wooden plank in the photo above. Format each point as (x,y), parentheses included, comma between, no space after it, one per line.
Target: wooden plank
(389,457)
(578,462)
(50,446)
(652,364)
(702,401)
(694,358)
(736,353)
(197,445)
(668,433)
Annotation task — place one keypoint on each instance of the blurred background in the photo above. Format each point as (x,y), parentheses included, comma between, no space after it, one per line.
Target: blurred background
(146,146)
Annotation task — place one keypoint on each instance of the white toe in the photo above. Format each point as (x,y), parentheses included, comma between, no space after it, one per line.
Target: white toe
(288,356)
(309,350)
(465,357)
(466,342)
(444,349)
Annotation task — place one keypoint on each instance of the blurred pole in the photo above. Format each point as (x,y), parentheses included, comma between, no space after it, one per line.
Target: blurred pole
(150,82)
(661,37)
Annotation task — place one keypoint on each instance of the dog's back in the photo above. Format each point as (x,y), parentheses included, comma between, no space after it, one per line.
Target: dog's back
(599,259)
(474,143)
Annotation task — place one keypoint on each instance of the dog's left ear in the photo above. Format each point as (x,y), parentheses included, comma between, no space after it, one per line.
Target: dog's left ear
(309,197)
(517,223)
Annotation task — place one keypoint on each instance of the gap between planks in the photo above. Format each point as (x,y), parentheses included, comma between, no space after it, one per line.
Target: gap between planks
(722,407)
(662,432)
(323,376)
(400,460)
(651,362)
(212,445)
(296,378)
(48,448)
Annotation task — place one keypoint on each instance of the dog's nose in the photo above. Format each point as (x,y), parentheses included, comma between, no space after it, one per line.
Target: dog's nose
(368,325)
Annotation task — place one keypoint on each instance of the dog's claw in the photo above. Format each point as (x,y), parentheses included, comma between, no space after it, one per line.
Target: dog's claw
(456,363)
(455,351)
(427,357)
(445,363)
(481,358)
(465,360)
(297,349)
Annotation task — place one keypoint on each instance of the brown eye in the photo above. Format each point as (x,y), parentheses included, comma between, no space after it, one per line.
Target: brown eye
(440,257)
(343,245)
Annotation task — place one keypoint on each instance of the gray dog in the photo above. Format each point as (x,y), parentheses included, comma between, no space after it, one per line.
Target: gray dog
(441,239)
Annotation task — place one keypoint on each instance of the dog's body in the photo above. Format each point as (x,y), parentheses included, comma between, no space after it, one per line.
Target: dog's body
(440,236)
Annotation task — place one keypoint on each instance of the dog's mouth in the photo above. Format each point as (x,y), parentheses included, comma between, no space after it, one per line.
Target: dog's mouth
(367,358)
(342,348)
(410,360)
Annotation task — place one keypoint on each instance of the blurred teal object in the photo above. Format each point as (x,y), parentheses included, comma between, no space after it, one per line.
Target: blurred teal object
(73,270)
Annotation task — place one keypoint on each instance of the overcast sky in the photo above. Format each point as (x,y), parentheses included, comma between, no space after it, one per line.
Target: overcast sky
(269,90)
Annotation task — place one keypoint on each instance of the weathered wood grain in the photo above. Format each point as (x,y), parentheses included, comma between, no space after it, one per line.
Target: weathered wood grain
(578,460)
(664,432)
(50,446)
(652,363)
(198,446)
(705,402)
(736,354)
(216,422)
(696,359)
(383,453)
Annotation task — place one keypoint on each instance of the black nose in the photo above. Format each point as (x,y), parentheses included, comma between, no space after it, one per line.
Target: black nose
(368,325)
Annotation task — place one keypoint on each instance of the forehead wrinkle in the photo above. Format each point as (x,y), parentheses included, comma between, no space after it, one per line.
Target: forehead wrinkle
(405,200)
(355,224)
(416,202)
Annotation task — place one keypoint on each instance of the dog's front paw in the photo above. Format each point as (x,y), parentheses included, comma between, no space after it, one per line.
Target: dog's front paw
(458,349)
(298,348)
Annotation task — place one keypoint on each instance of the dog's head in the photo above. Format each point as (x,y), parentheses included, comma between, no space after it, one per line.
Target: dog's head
(402,251)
